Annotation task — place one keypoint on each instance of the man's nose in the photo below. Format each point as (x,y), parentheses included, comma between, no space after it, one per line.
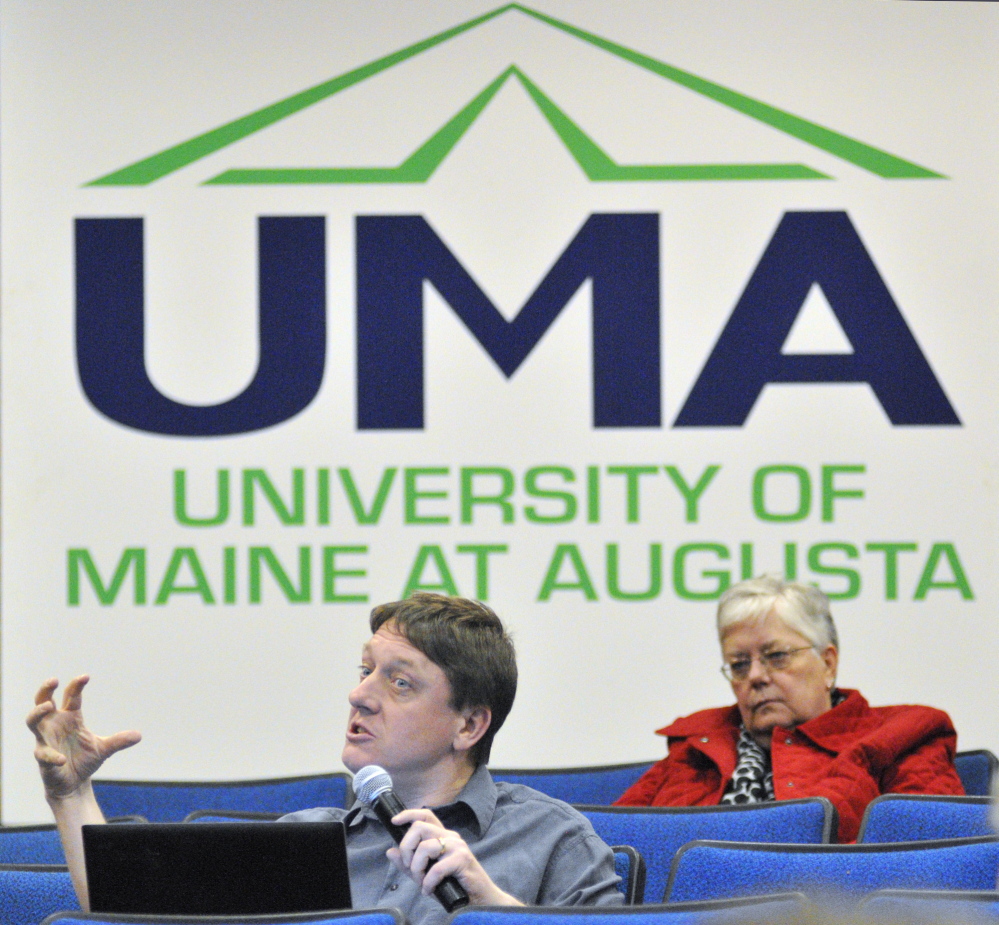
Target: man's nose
(362,697)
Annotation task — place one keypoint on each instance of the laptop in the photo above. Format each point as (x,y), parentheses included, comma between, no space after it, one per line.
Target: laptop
(217,868)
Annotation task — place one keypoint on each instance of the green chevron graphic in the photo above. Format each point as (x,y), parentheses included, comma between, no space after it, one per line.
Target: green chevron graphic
(595,163)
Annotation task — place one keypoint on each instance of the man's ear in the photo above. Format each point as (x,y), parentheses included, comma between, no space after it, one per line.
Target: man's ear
(477,722)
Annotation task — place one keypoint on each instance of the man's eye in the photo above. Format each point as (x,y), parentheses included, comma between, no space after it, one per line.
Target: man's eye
(400,683)
(364,671)
(741,666)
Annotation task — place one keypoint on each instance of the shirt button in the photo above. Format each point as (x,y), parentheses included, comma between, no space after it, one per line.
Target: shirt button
(395,886)
(790,783)
(789,741)
(704,738)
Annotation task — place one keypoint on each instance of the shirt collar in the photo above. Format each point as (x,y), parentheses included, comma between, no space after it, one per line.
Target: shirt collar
(477,796)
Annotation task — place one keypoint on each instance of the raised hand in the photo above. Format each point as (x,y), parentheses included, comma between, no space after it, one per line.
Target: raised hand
(68,753)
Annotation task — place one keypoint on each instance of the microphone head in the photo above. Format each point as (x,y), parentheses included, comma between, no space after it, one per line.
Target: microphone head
(370,782)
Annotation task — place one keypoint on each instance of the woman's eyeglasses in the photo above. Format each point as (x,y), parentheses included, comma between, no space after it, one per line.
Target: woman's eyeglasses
(738,670)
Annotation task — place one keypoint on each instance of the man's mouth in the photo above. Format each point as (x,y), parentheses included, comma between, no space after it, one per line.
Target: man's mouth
(357,730)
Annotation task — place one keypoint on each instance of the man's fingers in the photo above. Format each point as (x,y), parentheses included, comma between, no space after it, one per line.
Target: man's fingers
(449,865)
(417,815)
(46,691)
(419,832)
(396,858)
(72,698)
(45,754)
(120,740)
(38,713)
(426,853)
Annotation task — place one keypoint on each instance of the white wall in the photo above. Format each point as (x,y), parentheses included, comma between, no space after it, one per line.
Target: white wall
(259,689)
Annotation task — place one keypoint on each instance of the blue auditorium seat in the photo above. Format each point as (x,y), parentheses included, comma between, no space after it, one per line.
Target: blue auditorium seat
(30,892)
(386,916)
(928,907)
(916,817)
(599,786)
(841,873)
(659,831)
(976,769)
(748,911)
(30,844)
(169,801)
(629,865)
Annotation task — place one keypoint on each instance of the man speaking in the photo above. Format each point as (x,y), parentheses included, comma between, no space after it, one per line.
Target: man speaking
(437,680)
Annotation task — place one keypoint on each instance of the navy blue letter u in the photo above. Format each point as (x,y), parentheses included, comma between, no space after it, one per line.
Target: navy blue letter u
(110,341)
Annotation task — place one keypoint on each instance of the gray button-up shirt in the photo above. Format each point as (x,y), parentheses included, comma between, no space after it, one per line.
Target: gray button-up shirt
(534,847)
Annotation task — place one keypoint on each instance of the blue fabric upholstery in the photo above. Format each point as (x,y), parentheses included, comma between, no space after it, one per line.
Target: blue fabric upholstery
(599,786)
(162,801)
(387,916)
(659,831)
(630,867)
(912,817)
(38,844)
(976,770)
(30,844)
(29,893)
(756,909)
(714,869)
(926,906)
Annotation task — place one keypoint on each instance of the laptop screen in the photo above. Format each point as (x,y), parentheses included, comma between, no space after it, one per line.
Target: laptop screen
(223,868)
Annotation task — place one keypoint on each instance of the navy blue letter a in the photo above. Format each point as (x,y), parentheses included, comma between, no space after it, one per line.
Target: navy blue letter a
(823,248)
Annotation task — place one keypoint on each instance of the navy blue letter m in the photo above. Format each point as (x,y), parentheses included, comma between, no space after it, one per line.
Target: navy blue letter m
(619,253)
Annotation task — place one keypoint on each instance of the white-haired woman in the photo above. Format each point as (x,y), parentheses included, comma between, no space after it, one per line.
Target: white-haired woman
(792,733)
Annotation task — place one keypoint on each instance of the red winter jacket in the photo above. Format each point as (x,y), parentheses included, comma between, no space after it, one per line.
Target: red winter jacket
(849,754)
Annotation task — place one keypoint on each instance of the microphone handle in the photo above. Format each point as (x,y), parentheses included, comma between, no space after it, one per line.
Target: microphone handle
(449,892)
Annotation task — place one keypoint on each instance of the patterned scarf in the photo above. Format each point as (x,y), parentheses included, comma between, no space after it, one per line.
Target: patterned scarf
(753,780)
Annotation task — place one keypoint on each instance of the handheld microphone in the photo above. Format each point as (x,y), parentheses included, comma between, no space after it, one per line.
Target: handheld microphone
(373,787)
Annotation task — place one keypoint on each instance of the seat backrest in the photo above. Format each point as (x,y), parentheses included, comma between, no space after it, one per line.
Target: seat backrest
(976,769)
(715,870)
(598,786)
(232,815)
(38,844)
(926,906)
(166,801)
(916,817)
(30,844)
(385,916)
(629,865)
(659,831)
(750,910)
(30,892)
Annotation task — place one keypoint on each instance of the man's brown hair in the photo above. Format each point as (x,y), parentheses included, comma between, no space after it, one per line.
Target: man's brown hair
(467,641)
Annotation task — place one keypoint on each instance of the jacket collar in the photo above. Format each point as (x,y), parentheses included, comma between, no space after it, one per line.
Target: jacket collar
(840,726)
(830,730)
(704,722)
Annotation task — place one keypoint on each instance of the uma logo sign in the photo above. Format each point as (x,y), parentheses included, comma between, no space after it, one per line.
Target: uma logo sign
(617,252)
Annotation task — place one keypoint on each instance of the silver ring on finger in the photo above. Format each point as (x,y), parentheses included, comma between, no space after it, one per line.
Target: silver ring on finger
(443,846)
